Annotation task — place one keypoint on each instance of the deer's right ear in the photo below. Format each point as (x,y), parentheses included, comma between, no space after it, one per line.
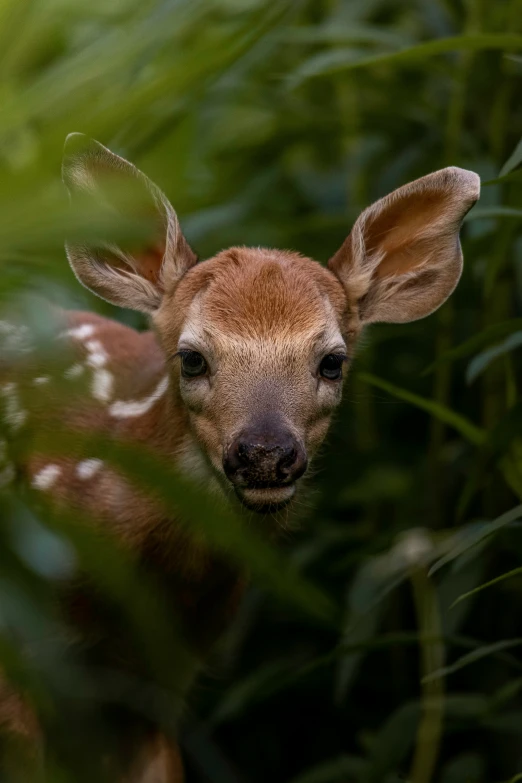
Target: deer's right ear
(127,276)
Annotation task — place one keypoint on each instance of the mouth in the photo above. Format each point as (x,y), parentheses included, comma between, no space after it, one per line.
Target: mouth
(265,500)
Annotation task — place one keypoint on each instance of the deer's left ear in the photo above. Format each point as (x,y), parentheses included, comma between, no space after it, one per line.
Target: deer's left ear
(133,275)
(403,257)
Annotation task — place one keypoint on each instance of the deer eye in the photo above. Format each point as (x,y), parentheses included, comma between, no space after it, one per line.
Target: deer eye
(331,367)
(192,364)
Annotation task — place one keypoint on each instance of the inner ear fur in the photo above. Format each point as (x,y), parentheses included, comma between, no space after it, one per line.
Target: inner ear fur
(403,257)
(137,275)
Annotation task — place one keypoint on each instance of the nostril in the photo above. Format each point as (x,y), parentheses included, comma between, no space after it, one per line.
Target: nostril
(235,458)
(287,462)
(242,450)
(292,465)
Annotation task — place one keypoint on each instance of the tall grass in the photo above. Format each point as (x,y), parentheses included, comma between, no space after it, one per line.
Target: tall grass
(380,643)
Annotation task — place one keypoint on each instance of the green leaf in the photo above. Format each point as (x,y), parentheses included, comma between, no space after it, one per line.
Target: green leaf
(466,768)
(505,694)
(501,578)
(508,723)
(466,573)
(337,770)
(466,705)
(488,335)
(339,33)
(255,688)
(503,450)
(514,160)
(471,535)
(360,630)
(472,657)
(393,742)
(344,60)
(480,213)
(466,428)
(513,176)
(482,361)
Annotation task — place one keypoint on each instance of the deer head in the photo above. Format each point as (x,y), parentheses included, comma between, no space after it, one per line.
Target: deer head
(257,341)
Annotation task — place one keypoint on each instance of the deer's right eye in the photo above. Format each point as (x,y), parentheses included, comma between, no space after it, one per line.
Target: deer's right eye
(192,364)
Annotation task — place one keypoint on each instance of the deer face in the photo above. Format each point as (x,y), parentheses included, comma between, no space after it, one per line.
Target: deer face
(257,341)
(258,351)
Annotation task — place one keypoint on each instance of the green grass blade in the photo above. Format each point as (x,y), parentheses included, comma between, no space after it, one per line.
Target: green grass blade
(496,580)
(474,534)
(341,61)
(514,160)
(486,336)
(472,657)
(481,362)
(467,429)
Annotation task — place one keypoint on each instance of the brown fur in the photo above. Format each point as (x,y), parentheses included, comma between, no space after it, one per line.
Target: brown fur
(263,319)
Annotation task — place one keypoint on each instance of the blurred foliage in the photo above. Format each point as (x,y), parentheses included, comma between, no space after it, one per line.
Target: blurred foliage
(276,123)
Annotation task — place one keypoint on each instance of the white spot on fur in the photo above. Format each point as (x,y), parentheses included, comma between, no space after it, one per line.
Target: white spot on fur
(97,356)
(88,468)
(74,372)
(122,409)
(46,477)
(102,381)
(102,385)
(14,415)
(82,332)
(41,380)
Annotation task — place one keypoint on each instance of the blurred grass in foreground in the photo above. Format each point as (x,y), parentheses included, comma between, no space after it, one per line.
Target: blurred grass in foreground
(275,124)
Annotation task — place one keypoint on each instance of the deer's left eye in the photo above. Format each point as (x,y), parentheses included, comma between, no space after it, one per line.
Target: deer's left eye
(192,364)
(331,367)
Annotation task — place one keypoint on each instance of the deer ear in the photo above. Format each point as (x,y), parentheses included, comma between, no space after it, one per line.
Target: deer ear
(134,277)
(403,257)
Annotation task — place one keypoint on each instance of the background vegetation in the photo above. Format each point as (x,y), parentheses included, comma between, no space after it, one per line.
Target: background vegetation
(276,123)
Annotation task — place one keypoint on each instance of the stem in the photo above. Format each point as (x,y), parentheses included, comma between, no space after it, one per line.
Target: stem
(432,658)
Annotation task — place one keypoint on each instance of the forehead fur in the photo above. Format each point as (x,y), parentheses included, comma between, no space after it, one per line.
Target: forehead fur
(256,293)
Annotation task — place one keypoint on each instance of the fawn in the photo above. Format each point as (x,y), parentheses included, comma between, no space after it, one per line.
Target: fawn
(237,380)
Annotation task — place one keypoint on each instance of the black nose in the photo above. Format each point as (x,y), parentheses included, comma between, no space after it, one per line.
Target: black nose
(260,458)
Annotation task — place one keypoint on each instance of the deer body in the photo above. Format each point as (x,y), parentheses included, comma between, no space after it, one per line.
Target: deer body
(237,381)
